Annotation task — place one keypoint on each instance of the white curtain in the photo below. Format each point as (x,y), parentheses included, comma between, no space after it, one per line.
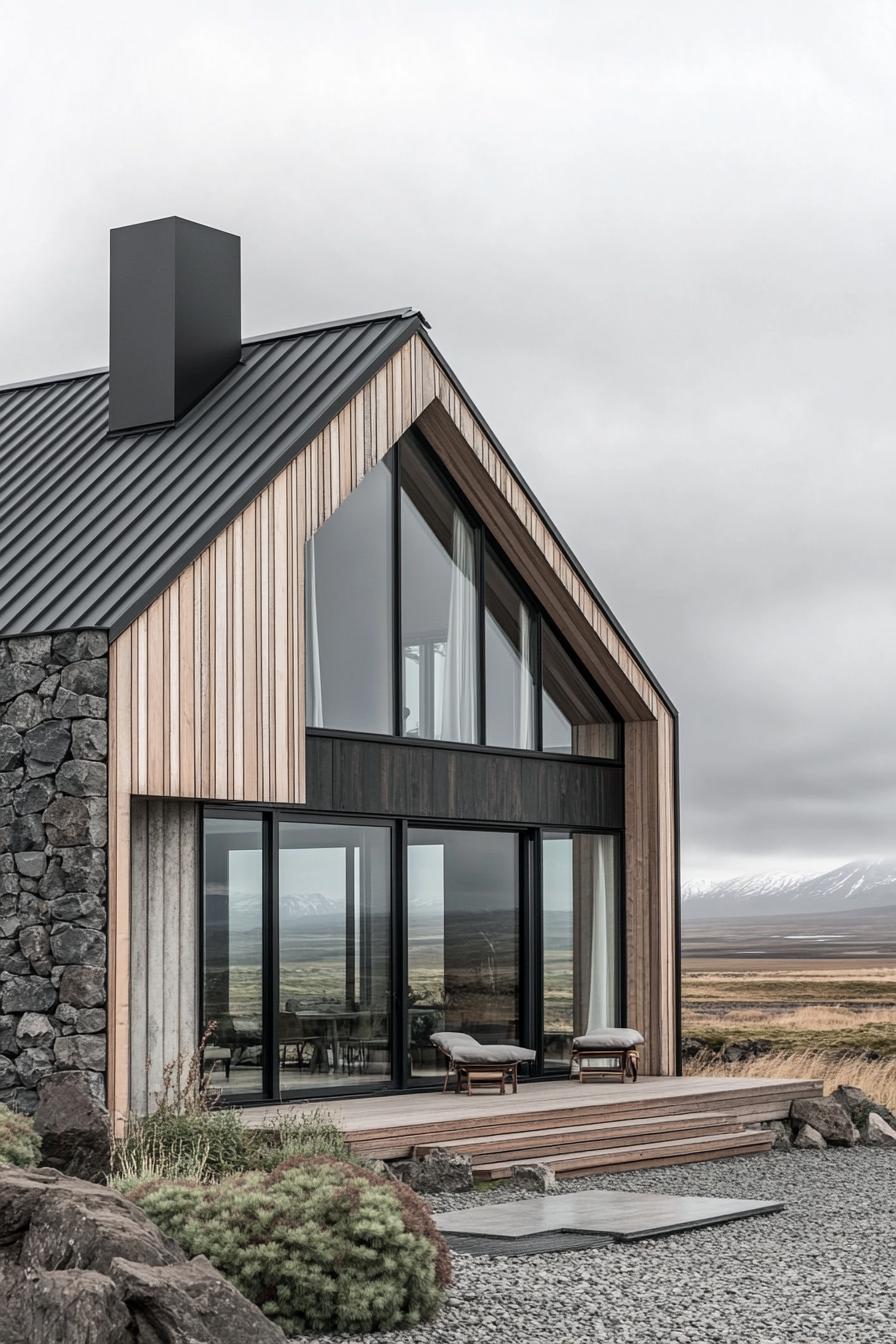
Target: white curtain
(602,980)
(525,729)
(314,710)
(459,694)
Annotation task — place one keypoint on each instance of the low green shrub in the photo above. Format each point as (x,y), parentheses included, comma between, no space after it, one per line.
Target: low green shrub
(19,1145)
(316,1243)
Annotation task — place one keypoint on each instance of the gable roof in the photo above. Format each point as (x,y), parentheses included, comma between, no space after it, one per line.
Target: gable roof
(93,525)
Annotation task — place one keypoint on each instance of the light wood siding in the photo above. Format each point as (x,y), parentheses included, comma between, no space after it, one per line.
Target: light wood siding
(163,945)
(207,685)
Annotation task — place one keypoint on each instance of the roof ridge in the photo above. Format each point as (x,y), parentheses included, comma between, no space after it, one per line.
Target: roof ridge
(359,321)
(309,330)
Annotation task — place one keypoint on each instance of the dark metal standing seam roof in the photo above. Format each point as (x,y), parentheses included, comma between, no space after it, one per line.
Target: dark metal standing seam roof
(93,526)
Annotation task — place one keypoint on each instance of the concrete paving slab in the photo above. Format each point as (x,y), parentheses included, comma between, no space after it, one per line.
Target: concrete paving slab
(620,1214)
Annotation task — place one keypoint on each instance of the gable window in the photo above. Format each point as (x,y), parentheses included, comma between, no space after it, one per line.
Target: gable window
(439,608)
(415,627)
(348,612)
(574,718)
(509,662)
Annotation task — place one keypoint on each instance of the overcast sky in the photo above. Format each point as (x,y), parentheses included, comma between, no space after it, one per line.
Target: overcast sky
(656,242)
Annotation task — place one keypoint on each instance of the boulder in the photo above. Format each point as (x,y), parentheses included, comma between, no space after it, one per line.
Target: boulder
(535,1176)
(827,1117)
(439,1172)
(89,739)
(73,946)
(29,648)
(83,1265)
(782,1136)
(27,994)
(189,1304)
(808,1137)
(67,821)
(691,1046)
(34,1029)
(33,864)
(34,1063)
(859,1105)
(66,1307)
(48,742)
(34,795)
(35,944)
(19,677)
(73,1126)
(68,705)
(25,712)
(877,1133)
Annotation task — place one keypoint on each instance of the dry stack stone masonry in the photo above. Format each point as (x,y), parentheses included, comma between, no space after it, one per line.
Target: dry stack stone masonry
(53,830)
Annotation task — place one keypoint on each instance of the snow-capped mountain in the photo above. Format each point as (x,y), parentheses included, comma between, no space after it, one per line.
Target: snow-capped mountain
(854,886)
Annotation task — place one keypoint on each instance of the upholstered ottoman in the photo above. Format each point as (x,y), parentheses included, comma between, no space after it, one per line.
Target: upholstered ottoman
(608,1052)
(479,1065)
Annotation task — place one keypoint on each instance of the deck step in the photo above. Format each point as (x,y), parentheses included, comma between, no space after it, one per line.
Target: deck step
(665,1152)
(528,1144)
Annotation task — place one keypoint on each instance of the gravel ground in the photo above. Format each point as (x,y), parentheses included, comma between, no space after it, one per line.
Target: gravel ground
(823,1270)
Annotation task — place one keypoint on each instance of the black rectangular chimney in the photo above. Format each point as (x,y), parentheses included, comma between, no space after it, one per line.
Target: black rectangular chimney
(174,318)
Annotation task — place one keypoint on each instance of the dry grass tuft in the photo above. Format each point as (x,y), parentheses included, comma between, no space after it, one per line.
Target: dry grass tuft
(875,1077)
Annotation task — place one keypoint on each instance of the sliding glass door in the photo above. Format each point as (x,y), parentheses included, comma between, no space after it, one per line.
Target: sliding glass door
(333,950)
(335,955)
(580,939)
(463,948)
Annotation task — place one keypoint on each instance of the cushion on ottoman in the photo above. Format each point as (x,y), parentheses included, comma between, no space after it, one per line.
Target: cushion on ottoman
(609,1038)
(491,1054)
(450,1040)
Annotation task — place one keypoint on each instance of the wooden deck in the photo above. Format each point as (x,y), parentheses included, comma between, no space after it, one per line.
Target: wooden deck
(574,1128)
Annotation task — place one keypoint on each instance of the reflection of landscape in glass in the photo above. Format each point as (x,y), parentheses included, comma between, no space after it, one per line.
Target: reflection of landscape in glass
(557,925)
(463,939)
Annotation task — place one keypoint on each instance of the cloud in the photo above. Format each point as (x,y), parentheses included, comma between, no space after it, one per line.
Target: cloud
(656,244)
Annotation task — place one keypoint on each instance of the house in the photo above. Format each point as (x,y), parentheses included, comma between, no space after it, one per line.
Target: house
(314,735)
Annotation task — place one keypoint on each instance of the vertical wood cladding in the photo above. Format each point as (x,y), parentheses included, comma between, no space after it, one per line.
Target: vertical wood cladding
(207,685)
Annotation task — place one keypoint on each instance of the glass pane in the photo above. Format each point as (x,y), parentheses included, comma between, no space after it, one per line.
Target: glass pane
(579,930)
(232,960)
(574,718)
(348,611)
(463,940)
(509,663)
(334,1023)
(439,607)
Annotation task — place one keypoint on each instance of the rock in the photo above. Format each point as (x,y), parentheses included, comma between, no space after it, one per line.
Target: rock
(89,676)
(859,1105)
(29,648)
(74,645)
(34,1029)
(83,779)
(536,1176)
(34,795)
(79,907)
(89,1020)
(34,1064)
(691,1046)
(89,739)
(83,986)
(8,1076)
(877,1133)
(71,1306)
(83,869)
(67,822)
(32,864)
(827,1117)
(73,946)
(48,742)
(808,1137)
(783,1136)
(27,994)
(19,677)
(23,834)
(8,1043)
(81,1052)
(190,1304)
(35,944)
(25,712)
(439,1172)
(68,705)
(73,1126)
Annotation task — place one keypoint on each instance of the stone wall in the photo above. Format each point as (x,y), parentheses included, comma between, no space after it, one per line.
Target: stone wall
(53,827)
